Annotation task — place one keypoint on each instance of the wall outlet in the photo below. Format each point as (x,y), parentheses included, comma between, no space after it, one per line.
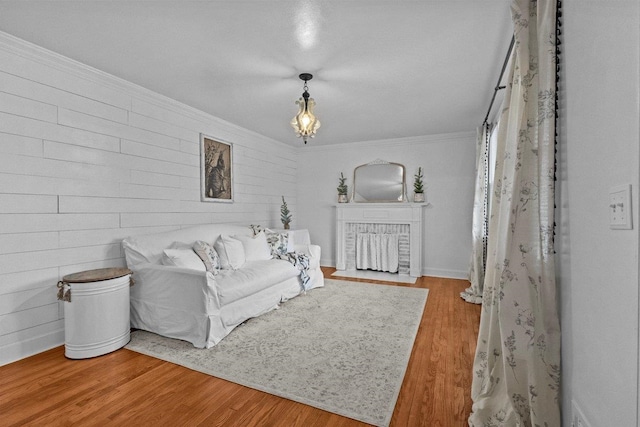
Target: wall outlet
(620,207)
(577,417)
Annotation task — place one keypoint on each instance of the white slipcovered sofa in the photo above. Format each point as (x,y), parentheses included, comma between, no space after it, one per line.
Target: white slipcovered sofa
(189,303)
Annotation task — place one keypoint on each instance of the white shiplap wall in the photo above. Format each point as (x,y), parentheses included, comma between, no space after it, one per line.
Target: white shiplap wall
(87,159)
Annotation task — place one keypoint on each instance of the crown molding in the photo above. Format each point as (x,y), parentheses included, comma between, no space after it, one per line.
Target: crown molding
(468,136)
(38,54)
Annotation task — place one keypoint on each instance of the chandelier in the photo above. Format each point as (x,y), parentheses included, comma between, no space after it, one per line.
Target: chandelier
(305,123)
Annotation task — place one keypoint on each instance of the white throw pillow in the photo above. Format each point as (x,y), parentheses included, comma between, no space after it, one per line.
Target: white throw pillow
(231,252)
(255,247)
(185,258)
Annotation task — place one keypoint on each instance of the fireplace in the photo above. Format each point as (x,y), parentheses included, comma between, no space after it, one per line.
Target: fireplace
(401,219)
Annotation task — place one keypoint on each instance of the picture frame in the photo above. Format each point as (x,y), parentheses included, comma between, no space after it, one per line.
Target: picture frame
(216,170)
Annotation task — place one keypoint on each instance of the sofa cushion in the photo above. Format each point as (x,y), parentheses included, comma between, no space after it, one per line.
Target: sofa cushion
(231,252)
(184,257)
(255,247)
(253,277)
(147,248)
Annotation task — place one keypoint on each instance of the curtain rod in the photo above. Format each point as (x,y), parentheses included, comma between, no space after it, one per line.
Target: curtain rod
(498,87)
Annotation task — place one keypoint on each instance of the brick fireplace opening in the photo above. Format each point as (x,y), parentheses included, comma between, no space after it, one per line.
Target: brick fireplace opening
(403,219)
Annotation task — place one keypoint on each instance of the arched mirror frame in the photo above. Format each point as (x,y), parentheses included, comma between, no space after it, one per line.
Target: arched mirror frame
(402,194)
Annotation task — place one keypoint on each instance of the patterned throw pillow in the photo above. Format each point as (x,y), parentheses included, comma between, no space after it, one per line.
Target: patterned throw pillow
(278,242)
(208,255)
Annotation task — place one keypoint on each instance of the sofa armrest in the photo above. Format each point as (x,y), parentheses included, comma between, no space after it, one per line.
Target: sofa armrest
(313,251)
(166,285)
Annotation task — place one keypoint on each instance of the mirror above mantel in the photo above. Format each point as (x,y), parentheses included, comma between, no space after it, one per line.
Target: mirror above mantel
(379,182)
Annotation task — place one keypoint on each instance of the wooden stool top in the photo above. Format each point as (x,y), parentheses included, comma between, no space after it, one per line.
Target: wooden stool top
(96,275)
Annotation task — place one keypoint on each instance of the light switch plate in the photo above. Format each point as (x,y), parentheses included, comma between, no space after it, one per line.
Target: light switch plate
(620,207)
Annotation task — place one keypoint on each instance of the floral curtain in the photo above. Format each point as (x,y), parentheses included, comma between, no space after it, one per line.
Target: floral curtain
(473,294)
(517,363)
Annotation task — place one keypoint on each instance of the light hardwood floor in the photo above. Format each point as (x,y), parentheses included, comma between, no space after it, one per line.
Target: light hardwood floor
(128,388)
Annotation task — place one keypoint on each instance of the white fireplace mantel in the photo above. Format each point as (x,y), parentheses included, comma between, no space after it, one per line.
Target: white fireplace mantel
(381,213)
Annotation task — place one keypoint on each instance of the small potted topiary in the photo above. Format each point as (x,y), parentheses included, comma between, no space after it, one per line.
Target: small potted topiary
(342,189)
(418,188)
(285,215)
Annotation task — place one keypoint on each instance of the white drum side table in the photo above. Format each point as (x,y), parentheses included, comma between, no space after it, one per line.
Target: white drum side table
(96,311)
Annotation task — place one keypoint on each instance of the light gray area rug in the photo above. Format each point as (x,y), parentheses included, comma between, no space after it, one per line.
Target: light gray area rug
(343,348)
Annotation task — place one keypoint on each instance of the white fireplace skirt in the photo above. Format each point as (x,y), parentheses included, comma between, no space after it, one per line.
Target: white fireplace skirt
(377,251)
(403,219)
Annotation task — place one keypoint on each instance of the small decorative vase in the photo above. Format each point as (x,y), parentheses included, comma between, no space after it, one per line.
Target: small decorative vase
(286,226)
(342,198)
(418,197)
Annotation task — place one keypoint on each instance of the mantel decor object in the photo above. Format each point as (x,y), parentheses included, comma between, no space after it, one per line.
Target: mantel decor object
(418,188)
(343,189)
(379,182)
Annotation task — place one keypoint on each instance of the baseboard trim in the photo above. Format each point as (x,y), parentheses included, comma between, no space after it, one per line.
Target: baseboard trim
(23,349)
(433,272)
(447,274)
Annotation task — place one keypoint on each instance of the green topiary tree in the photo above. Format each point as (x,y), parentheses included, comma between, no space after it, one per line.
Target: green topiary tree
(285,215)
(417,182)
(342,187)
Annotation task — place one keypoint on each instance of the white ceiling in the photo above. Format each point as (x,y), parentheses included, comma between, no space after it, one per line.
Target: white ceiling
(382,69)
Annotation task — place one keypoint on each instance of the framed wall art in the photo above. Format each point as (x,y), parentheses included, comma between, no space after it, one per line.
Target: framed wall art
(216,170)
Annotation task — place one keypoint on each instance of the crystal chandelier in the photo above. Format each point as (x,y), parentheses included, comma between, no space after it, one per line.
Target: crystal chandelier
(305,123)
